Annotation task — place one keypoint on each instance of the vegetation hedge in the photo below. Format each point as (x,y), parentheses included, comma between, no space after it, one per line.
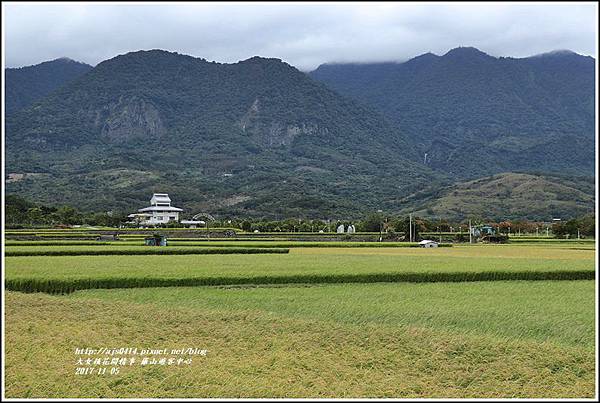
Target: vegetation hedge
(112,229)
(551,240)
(68,235)
(63,286)
(190,242)
(62,243)
(303,244)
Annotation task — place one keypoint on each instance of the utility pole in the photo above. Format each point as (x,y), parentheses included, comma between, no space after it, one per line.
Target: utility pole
(410,227)
(470,233)
(380,225)
(547,235)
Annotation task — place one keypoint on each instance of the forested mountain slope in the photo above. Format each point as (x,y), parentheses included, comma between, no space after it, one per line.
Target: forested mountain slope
(26,85)
(254,137)
(474,114)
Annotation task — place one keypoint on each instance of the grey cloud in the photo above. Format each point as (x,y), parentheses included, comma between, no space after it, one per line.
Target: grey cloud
(304,35)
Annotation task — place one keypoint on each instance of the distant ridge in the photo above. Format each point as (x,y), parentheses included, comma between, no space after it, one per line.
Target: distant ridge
(464,50)
(26,85)
(476,114)
(558,52)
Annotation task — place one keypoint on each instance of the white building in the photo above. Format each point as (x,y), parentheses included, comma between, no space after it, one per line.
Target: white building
(159,212)
(193,223)
(426,243)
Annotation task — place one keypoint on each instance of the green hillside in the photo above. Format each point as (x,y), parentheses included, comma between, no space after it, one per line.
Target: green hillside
(507,196)
(256,137)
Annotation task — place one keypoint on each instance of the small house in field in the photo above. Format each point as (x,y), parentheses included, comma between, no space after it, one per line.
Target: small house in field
(426,243)
(160,211)
(483,230)
(156,240)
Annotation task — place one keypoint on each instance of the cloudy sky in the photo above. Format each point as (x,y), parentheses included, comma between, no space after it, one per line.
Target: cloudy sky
(302,34)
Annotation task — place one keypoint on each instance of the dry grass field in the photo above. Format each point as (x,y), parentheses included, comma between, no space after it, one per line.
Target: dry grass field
(472,339)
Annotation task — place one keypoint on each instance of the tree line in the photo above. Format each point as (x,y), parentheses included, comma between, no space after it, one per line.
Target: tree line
(21,213)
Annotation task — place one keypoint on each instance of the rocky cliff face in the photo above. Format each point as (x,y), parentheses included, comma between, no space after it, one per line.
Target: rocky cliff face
(128,119)
(274,134)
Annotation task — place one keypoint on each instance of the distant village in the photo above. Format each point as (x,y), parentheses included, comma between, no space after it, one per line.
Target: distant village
(162,212)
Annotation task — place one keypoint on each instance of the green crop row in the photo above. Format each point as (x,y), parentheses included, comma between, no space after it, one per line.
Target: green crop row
(224,243)
(301,244)
(551,240)
(57,233)
(68,235)
(433,233)
(65,243)
(145,251)
(180,229)
(477,262)
(71,230)
(63,286)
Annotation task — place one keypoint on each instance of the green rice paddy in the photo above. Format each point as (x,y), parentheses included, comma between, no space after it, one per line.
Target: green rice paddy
(335,320)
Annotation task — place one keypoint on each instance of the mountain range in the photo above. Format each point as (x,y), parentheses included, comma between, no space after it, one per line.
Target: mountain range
(473,114)
(257,136)
(261,138)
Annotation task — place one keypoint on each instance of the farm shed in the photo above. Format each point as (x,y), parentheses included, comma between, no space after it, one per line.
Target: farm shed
(101,237)
(156,240)
(483,230)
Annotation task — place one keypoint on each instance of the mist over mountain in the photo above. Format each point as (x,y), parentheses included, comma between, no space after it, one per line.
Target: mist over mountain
(26,85)
(473,114)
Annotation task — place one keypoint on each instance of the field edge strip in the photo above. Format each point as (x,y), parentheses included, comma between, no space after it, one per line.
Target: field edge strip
(59,286)
(105,252)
